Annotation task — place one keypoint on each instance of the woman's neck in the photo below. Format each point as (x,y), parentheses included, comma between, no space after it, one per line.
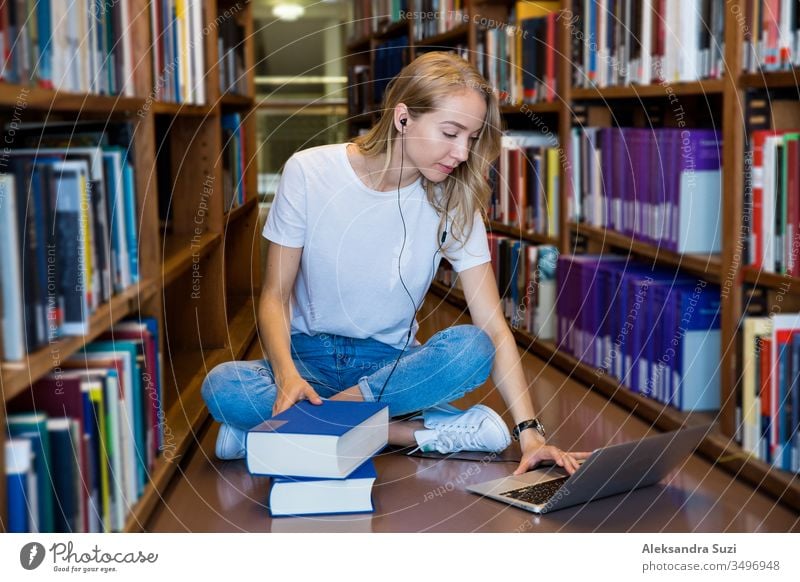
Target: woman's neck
(384,182)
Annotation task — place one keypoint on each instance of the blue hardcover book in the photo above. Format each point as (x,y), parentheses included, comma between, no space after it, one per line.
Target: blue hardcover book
(795,398)
(328,440)
(783,451)
(657,349)
(638,322)
(610,279)
(131,217)
(311,496)
(92,437)
(64,474)
(33,426)
(696,380)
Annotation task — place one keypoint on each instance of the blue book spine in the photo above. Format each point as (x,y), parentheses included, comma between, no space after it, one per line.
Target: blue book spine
(130,217)
(40,446)
(783,456)
(795,399)
(45,64)
(92,438)
(152,327)
(113,225)
(16,490)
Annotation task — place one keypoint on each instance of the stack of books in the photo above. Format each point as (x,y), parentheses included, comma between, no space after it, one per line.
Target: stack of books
(320,456)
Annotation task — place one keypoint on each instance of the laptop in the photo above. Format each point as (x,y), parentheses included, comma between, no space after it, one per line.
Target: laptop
(608,471)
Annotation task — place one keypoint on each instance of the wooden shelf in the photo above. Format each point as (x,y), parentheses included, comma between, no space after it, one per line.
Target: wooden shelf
(776,281)
(394,29)
(236,213)
(233,100)
(707,266)
(720,450)
(12,95)
(527,108)
(17,376)
(164,108)
(769,80)
(460,32)
(516,232)
(359,45)
(710,87)
(179,251)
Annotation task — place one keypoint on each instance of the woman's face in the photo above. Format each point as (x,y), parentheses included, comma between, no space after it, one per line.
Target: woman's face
(438,141)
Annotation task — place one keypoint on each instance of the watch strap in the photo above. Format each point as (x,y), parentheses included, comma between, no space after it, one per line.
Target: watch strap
(533,423)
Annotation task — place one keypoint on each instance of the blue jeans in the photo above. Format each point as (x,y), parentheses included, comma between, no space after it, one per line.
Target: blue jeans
(451,363)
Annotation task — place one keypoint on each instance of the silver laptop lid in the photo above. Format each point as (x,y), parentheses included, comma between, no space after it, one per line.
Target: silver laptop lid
(608,471)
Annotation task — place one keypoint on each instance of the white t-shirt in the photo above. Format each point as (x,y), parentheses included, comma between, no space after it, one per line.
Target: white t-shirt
(351,235)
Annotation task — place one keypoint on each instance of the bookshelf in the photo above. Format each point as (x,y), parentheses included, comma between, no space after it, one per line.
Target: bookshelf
(199,272)
(719,102)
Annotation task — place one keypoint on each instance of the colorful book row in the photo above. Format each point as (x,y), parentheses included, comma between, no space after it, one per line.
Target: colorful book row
(525,183)
(68,212)
(770,404)
(95,426)
(79,46)
(622,42)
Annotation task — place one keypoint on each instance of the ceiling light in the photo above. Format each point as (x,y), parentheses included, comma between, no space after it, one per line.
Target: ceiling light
(288,11)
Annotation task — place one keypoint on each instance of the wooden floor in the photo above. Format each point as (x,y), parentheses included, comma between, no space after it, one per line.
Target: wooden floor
(415,494)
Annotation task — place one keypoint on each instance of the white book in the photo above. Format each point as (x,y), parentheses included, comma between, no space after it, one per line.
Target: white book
(12,325)
(309,496)
(645,69)
(769,202)
(128,88)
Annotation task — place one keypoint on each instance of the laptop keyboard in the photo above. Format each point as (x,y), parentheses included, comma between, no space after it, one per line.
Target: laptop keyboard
(536,494)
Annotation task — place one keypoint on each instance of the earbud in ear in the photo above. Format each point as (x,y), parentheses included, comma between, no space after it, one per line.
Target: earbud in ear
(403,122)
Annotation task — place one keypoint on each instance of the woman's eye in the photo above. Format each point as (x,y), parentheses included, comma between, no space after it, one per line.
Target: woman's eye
(451,135)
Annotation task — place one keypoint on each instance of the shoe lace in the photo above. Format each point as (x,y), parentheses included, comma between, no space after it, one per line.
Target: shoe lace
(458,437)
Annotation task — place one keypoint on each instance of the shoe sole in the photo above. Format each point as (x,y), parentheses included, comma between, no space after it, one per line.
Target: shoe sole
(498,422)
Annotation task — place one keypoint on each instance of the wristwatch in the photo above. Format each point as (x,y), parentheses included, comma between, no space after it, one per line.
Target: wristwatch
(534,423)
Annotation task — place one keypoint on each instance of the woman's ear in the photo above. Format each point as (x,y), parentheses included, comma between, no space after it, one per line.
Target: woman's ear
(401,117)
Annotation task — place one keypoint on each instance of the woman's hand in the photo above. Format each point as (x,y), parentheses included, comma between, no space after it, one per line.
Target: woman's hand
(535,450)
(291,391)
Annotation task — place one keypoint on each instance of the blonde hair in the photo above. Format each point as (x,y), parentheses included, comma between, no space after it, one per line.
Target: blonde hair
(422,85)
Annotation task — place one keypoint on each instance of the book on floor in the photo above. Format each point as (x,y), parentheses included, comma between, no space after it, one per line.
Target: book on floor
(312,496)
(328,440)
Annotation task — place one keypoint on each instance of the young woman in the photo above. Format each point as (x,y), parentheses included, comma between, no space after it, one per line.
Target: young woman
(356,233)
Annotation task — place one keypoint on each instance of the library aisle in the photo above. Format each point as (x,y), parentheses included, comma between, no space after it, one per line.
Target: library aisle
(415,494)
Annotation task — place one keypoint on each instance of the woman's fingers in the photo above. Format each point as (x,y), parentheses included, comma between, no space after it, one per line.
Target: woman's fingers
(312,396)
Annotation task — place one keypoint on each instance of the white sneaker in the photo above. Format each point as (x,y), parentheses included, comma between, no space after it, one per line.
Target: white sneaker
(477,429)
(230,443)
